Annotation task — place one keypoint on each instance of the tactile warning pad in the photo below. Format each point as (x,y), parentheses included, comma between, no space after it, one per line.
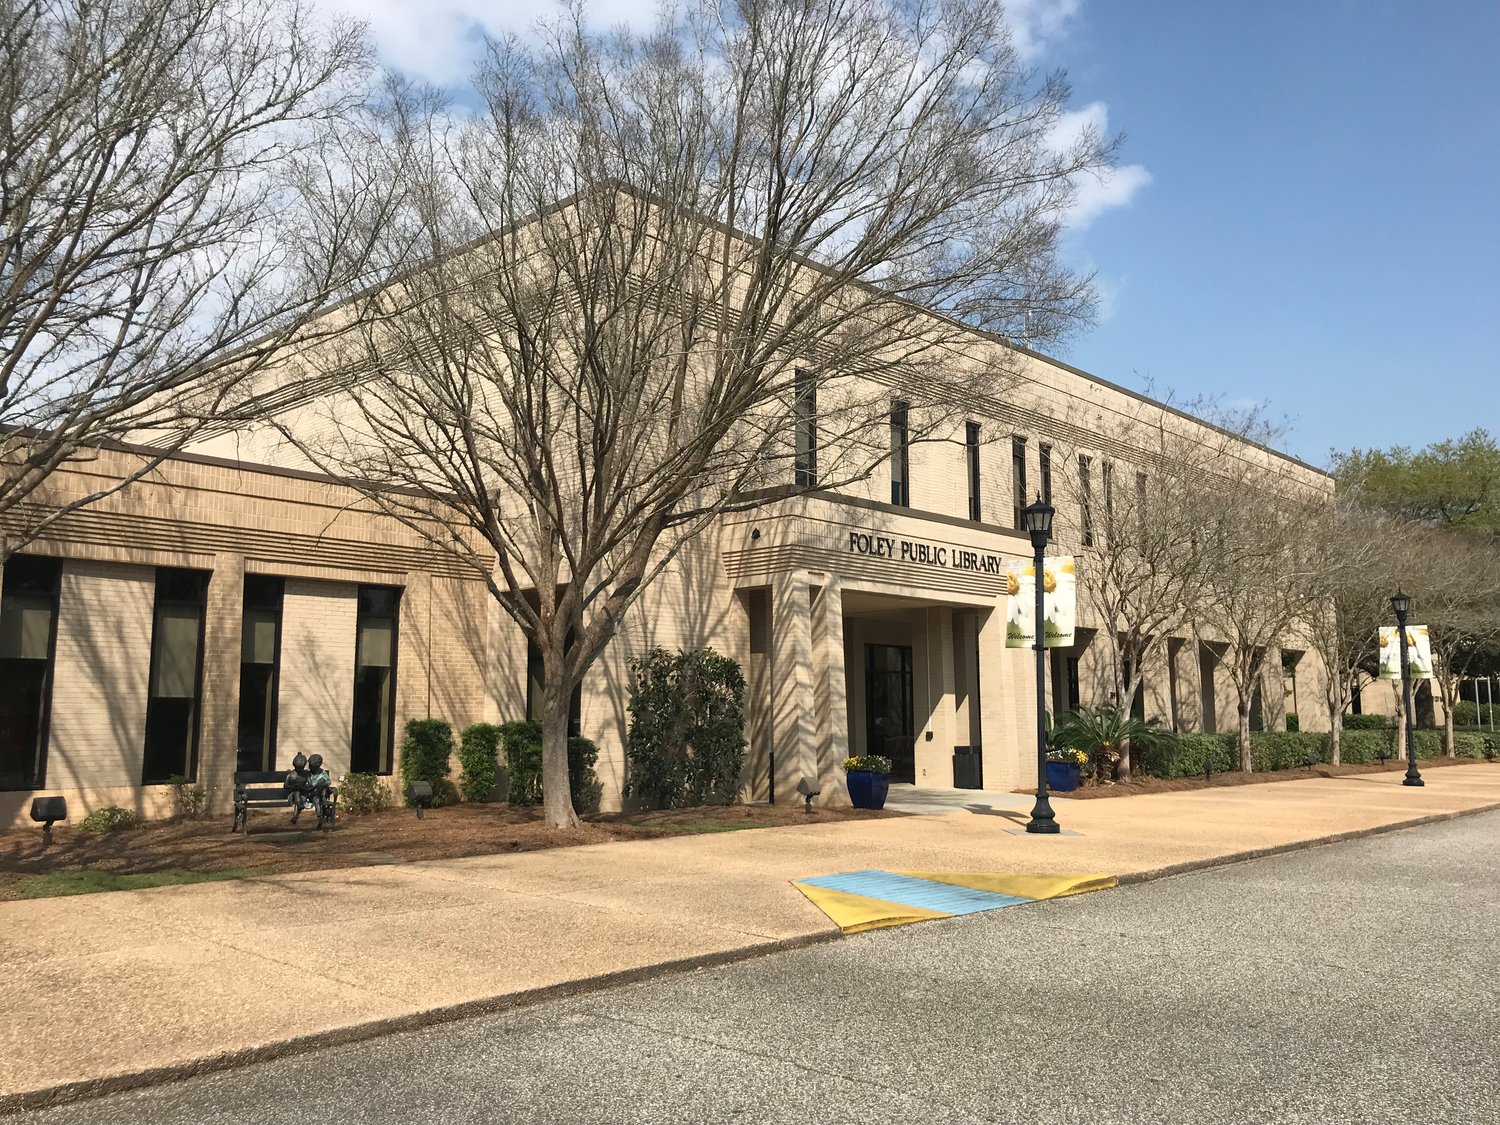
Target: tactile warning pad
(869,899)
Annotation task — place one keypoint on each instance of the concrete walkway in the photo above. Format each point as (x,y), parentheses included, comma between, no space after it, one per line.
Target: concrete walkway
(105,990)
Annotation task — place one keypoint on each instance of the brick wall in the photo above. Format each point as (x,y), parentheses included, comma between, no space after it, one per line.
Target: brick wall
(101,675)
(316,704)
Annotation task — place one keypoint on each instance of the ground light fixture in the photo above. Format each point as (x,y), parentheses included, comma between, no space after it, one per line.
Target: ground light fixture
(808,789)
(1037,519)
(419,793)
(45,811)
(1401,604)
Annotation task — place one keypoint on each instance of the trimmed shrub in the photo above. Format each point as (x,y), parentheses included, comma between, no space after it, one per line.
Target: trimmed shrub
(364,793)
(1359,746)
(1184,755)
(1293,724)
(522,741)
(426,755)
(189,800)
(1272,750)
(1465,713)
(1368,722)
(111,818)
(686,744)
(478,750)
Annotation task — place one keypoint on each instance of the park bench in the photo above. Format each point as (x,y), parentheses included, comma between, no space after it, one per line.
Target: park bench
(264,789)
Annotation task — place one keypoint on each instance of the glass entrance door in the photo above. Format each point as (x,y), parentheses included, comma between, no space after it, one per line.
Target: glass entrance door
(889,728)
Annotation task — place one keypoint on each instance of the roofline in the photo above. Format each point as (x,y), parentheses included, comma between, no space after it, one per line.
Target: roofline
(1099,380)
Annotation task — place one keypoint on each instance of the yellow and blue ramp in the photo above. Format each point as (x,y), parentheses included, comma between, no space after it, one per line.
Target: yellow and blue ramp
(867,900)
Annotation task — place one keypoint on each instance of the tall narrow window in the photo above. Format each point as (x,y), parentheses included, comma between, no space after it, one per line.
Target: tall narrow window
(900,455)
(1086,499)
(1044,454)
(374,726)
(1140,503)
(805,412)
(173,703)
(971,462)
(1018,475)
(1109,497)
(260,672)
(28,638)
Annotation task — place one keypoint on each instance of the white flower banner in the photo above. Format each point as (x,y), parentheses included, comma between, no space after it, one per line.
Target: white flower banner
(1418,652)
(1059,603)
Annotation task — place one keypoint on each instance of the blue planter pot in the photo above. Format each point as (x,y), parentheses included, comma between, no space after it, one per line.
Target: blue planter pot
(1062,777)
(867,790)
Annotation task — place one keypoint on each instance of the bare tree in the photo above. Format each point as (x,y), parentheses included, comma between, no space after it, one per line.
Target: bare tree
(1455,579)
(1260,563)
(1144,560)
(1357,555)
(182,183)
(674,275)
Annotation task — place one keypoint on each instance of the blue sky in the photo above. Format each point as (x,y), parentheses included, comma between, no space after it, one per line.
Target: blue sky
(1308,214)
(1321,228)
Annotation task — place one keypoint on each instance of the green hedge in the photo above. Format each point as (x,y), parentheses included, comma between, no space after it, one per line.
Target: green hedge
(522,740)
(1271,750)
(1368,722)
(426,755)
(478,750)
(1465,713)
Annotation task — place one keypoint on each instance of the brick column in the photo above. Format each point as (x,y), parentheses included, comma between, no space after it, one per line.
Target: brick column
(831,693)
(219,732)
(793,730)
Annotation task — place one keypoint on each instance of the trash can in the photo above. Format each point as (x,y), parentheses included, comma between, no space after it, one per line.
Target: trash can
(968,768)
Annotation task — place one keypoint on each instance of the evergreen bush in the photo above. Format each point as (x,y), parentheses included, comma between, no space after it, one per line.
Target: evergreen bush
(364,793)
(1368,722)
(111,818)
(426,755)
(686,745)
(522,741)
(478,749)
(1465,713)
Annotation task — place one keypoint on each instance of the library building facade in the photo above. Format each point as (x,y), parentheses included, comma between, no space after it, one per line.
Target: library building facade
(231,609)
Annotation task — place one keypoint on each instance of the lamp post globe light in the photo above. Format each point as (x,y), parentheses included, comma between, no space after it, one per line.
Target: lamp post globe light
(1401,604)
(1037,519)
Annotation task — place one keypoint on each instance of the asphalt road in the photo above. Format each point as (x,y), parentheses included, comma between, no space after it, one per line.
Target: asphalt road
(1350,983)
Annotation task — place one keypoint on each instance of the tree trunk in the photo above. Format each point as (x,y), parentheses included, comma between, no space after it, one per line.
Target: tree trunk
(557,793)
(1122,767)
(1400,721)
(1449,750)
(1335,735)
(1247,759)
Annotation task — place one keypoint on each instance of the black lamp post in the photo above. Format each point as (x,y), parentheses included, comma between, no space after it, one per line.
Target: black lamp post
(1401,603)
(1037,519)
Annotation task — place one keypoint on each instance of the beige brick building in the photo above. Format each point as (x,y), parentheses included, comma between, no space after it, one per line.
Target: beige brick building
(234,607)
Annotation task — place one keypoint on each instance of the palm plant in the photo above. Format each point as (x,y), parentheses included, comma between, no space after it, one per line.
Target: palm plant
(1106,735)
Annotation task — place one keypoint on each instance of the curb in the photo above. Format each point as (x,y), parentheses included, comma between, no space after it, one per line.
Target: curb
(1296,846)
(90,1089)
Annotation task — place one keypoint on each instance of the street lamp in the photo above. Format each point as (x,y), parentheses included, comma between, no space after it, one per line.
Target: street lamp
(1401,603)
(1037,519)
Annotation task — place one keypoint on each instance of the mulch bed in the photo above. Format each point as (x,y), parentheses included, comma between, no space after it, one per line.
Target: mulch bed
(1221,780)
(274,846)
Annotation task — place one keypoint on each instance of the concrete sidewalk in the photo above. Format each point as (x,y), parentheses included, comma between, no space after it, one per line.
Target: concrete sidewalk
(106,990)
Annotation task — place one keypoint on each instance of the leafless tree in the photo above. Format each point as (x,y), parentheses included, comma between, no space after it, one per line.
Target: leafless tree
(1260,564)
(676,274)
(1454,578)
(1358,560)
(182,183)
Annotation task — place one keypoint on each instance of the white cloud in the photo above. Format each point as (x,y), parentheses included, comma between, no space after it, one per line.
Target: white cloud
(1097,193)
(1036,25)
(438,40)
